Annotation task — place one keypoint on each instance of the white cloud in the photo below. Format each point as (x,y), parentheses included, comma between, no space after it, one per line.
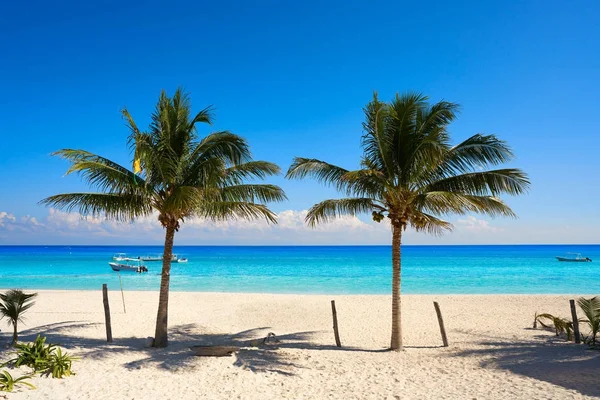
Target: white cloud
(473,224)
(6,218)
(59,227)
(71,227)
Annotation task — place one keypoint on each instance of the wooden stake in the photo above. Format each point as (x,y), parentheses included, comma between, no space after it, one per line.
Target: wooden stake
(575,322)
(122,296)
(106,313)
(441,322)
(335,325)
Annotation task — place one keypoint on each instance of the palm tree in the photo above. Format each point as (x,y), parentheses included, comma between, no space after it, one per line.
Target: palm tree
(13,304)
(411,174)
(181,176)
(591,310)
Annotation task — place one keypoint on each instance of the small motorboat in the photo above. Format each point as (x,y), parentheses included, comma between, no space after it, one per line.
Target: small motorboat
(128,267)
(574,257)
(120,257)
(150,258)
(181,260)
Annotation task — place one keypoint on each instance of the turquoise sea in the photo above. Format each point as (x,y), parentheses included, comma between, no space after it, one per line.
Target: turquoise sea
(311,269)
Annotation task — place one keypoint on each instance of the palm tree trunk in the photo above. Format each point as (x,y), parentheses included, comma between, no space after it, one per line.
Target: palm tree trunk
(396,343)
(15,333)
(160,335)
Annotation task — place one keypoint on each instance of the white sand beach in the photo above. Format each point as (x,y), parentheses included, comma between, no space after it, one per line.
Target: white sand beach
(493,353)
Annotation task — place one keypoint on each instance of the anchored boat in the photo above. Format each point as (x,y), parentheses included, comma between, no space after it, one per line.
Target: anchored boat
(120,257)
(117,266)
(156,258)
(574,257)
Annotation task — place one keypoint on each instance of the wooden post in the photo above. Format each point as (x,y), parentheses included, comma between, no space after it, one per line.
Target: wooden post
(441,322)
(122,295)
(106,313)
(575,322)
(335,325)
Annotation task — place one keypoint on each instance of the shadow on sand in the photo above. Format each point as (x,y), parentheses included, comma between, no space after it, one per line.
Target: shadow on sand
(265,358)
(568,365)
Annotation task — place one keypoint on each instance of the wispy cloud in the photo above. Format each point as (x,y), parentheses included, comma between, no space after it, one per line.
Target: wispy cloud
(58,227)
(474,224)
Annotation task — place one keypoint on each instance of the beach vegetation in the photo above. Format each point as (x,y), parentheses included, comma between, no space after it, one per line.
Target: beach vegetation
(177,175)
(58,364)
(8,383)
(591,310)
(13,304)
(411,176)
(34,354)
(41,357)
(562,326)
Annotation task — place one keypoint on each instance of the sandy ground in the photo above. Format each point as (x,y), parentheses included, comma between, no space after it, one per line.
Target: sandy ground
(493,353)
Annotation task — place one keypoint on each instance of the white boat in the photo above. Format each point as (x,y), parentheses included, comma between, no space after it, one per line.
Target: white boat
(150,258)
(574,257)
(120,257)
(117,266)
(155,258)
(181,260)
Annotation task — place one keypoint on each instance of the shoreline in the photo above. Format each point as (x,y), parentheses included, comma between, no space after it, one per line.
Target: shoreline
(308,294)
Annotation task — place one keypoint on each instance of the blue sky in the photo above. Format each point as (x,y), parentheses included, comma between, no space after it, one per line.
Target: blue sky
(292,78)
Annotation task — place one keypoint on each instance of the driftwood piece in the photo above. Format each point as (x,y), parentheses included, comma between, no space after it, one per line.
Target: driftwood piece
(335,325)
(106,313)
(575,322)
(214,351)
(441,322)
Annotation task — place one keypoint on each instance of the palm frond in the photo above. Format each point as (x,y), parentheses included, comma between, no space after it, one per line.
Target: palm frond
(224,210)
(205,116)
(591,310)
(444,203)
(253,193)
(230,148)
(100,172)
(323,172)
(117,206)
(495,182)
(250,170)
(364,182)
(423,222)
(377,142)
(328,209)
(478,151)
(14,303)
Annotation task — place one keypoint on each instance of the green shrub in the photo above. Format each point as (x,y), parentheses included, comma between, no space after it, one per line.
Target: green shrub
(58,365)
(33,354)
(47,359)
(8,383)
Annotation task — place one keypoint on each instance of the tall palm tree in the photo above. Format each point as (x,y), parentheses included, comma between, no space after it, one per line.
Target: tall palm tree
(411,174)
(13,304)
(180,176)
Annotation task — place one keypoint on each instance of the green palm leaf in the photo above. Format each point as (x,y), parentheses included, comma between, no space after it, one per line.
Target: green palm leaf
(328,209)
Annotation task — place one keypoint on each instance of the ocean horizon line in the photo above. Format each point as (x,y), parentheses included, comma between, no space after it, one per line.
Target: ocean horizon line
(300,245)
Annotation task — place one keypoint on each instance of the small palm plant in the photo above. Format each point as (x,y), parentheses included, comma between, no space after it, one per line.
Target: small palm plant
(8,383)
(560,325)
(591,309)
(13,304)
